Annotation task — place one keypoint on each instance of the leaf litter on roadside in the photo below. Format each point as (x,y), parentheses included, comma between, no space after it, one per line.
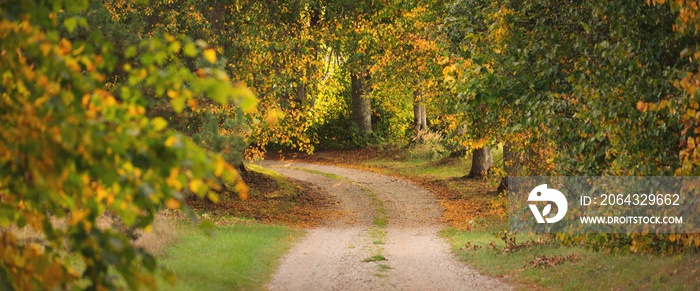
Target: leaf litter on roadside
(298,206)
(544,262)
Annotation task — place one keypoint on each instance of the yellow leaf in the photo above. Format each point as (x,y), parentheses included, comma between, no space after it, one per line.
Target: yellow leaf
(172,203)
(273,115)
(170,141)
(192,103)
(210,55)
(242,190)
(642,106)
(77,216)
(220,166)
(101,194)
(195,184)
(691,143)
(65,46)
(173,94)
(213,197)
(172,180)
(175,47)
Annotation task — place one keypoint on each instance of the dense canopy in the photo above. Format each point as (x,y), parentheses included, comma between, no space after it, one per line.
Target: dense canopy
(124,108)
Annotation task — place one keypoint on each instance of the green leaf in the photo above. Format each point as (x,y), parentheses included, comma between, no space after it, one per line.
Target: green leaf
(159,123)
(76,6)
(178,104)
(190,50)
(175,47)
(130,52)
(218,91)
(70,24)
(246,99)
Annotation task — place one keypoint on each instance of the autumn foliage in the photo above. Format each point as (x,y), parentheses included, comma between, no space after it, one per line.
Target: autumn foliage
(580,89)
(126,107)
(75,147)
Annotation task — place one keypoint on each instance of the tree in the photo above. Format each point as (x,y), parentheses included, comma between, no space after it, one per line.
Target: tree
(576,88)
(512,164)
(276,50)
(686,26)
(482,160)
(71,149)
(361,102)
(406,65)
(420,119)
(357,47)
(475,46)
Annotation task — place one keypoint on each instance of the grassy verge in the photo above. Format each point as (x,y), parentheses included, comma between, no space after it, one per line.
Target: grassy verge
(475,233)
(573,268)
(237,257)
(250,237)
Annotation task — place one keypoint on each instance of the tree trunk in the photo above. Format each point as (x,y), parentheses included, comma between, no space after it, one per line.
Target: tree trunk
(301,92)
(458,150)
(512,165)
(420,121)
(361,105)
(482,160)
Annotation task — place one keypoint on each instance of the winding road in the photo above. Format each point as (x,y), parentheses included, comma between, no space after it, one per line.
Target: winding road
(388,239)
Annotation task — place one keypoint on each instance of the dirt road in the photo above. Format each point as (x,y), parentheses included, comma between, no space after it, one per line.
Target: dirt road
(387,241)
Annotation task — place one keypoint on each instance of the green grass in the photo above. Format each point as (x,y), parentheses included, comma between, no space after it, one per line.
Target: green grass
(237,257)
(282,182)
(380,222)
(441,168)
(316,172)
(423,167)
(378,232)
(381,215)
(593,271)
(375,258)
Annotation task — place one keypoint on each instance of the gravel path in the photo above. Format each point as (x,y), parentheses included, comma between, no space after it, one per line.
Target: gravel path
(406,252)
